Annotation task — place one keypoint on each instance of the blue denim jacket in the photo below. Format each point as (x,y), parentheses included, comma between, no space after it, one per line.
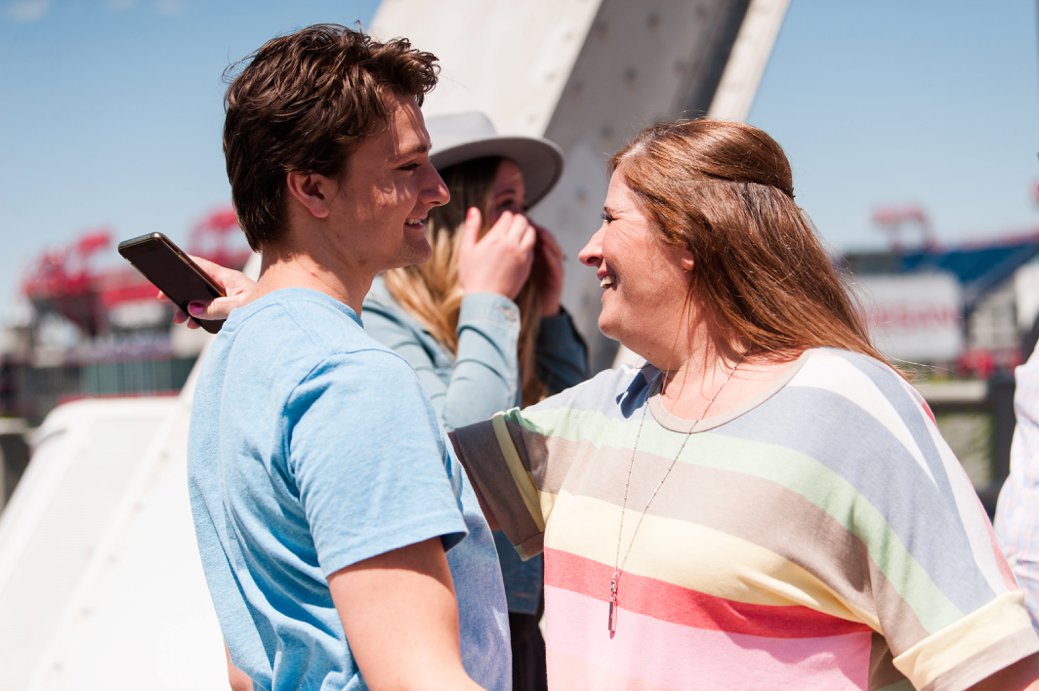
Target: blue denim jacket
(482,379)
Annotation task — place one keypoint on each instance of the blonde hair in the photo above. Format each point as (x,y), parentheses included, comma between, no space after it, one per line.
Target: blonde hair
(430,291)
(724,192)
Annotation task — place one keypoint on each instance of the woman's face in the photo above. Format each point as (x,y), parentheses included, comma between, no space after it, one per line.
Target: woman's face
(507,193)
(644,282)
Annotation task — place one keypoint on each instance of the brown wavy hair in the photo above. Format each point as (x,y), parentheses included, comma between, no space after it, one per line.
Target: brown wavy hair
(430,291)
(724,191)
(303,103)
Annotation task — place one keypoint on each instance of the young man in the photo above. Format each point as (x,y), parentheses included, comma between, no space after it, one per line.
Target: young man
(342,543)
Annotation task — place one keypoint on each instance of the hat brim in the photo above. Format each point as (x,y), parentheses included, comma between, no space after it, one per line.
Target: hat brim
(540,160)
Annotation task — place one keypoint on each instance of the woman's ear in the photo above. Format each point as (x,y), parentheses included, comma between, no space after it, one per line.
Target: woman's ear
(311,190)
(687,262)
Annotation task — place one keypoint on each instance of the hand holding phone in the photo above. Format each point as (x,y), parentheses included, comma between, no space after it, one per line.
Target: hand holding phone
(173,272)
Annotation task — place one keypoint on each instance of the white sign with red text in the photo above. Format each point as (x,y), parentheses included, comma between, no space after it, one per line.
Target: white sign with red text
(913,317)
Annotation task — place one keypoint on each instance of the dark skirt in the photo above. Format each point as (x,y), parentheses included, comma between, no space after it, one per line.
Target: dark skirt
(528,653)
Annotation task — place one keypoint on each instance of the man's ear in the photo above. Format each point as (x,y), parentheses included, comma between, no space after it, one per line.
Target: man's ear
(311,190)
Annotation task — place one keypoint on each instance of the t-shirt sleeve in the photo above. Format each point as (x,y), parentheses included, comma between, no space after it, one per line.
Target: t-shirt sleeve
(499,456)
(367,456)
(941,593)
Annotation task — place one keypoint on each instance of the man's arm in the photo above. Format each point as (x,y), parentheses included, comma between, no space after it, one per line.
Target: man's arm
(401,618)
(236,678)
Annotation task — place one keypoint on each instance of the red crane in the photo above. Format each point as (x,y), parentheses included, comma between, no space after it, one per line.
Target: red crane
(66,282)
(893,219)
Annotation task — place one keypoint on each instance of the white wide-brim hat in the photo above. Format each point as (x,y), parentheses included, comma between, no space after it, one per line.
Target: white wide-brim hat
(461,137)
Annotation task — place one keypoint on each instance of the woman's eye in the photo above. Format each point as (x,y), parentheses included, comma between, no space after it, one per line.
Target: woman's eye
(409,167)
(510,205)
(606,217)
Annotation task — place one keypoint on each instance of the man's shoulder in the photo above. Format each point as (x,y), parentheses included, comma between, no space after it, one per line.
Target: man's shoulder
(296,331)
(306,319)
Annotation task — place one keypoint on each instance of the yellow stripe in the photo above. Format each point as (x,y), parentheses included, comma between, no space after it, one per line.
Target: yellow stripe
(721,565)
(520,477)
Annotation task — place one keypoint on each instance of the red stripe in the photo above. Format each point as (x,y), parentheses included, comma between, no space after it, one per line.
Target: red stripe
(692,608)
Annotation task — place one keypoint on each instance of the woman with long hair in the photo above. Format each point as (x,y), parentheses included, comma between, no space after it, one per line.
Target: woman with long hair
(766,502)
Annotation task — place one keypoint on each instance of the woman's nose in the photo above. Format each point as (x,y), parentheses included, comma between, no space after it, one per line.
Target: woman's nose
(591,253)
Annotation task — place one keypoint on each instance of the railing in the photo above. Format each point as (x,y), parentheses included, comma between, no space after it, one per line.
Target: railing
(977,418)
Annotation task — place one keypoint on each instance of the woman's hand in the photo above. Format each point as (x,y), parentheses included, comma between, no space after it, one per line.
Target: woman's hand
(236,285)
(548,271)
(500,261)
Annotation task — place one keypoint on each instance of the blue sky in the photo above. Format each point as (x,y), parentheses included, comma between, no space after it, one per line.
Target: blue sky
(922,102)
(110,114)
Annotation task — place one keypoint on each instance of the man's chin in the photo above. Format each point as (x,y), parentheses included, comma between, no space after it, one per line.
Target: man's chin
(417,254)
(422,254)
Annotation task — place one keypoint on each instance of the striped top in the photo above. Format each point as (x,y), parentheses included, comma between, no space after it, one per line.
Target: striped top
(823,536)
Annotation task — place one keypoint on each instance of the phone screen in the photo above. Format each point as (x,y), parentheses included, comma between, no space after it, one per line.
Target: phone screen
(172,272)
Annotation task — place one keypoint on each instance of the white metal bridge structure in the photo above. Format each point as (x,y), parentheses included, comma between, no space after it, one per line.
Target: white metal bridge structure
(100,581)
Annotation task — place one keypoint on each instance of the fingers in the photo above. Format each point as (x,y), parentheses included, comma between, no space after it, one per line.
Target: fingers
(220,308)
(501,260)
(180,318)
(516,229)
(471,232)
(211,268)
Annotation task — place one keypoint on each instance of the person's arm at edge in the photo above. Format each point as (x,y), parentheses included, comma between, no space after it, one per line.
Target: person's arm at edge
(1023,674)
(400,617)
(236,678)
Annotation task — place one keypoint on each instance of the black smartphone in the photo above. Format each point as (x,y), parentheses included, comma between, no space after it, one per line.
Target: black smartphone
(172,272)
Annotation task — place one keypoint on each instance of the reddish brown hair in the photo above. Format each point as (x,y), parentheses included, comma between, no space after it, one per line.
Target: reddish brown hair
(724,191)
(303,103)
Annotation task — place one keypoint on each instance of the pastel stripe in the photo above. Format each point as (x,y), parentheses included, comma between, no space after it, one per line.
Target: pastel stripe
(520,476)
(667,602)
(820,375)
(768,579)
(585,656)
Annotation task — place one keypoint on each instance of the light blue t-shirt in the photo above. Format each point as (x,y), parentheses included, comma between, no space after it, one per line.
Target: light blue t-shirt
(312,448)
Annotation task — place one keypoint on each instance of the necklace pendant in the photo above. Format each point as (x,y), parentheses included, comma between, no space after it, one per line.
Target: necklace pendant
(612,624)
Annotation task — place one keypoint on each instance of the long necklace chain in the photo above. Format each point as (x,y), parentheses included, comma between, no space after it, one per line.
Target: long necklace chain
(618,563)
